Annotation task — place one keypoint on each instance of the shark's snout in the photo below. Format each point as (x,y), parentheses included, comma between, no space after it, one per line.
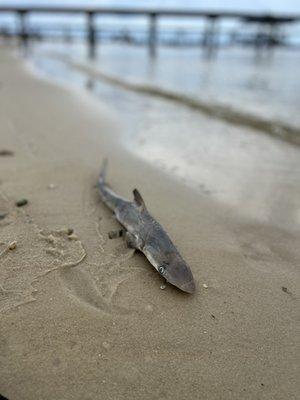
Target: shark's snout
(183,279)
(189,287)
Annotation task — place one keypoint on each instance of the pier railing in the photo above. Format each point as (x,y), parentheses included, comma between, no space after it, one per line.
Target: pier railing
(209,40)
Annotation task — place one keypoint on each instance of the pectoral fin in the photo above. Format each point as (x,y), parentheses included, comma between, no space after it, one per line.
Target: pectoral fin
(139,200)
(131,241)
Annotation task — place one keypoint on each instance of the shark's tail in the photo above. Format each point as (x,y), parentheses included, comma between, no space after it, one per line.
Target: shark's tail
(111,199)
(102,176)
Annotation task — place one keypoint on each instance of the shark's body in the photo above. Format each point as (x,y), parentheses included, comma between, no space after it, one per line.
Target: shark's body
(144,233)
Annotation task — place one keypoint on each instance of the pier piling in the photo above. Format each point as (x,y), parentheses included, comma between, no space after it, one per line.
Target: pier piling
(91,35)
(152,34)
(23,33)
(210,34)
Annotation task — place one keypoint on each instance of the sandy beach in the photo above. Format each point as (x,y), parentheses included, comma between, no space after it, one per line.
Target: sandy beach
(82,317)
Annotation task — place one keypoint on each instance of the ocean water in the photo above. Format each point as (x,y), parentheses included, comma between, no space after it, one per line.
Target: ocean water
(266,85)
(254,173)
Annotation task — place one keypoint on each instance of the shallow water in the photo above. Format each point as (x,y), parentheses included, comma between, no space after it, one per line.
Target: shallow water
(255,174)
(263,84)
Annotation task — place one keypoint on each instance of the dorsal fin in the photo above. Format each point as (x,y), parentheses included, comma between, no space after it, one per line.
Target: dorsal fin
(138,199)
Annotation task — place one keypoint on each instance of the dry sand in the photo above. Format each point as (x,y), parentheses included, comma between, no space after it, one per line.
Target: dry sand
(84,318)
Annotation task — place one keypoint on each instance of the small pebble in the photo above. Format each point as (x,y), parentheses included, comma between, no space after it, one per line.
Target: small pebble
(205,286)
(2,216)
(70,231)
(112,235)
(73,237)
(162,287)
(12,245)
(21,202)
(51,239)
(52,186)
(106,345)
(115,234)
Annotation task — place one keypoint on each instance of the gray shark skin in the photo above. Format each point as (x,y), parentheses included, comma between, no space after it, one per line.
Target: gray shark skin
(145,234)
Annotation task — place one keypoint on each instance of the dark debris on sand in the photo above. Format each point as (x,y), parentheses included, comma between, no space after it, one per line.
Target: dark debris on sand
(6,153)
(21,202)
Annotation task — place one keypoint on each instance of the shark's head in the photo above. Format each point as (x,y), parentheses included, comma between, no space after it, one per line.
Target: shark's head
(176,271)
(171,266)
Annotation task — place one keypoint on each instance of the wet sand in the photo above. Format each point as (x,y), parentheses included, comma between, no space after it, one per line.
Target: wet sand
(84,318)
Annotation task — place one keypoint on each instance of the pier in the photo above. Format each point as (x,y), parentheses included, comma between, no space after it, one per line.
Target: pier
(268,22)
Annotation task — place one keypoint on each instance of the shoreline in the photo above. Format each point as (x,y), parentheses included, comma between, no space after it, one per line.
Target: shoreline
(276,129)
(214,98)
(95,322)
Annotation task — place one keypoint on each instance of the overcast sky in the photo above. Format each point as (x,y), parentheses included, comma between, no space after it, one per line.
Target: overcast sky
(285,6)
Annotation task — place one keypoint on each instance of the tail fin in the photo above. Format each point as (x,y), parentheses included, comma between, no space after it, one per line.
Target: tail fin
(108,196)
(102,176)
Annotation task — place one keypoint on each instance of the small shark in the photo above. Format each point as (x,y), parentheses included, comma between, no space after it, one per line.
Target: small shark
(144,233)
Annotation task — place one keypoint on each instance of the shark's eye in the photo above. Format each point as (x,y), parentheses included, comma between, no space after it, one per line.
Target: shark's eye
(161,269)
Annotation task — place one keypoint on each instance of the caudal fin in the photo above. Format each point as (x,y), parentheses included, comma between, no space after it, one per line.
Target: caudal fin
(108,196)
(102,176)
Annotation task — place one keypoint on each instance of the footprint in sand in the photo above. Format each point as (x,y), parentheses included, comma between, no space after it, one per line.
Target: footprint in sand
(79,282)
(96,282)
(63,247)
(93,281)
